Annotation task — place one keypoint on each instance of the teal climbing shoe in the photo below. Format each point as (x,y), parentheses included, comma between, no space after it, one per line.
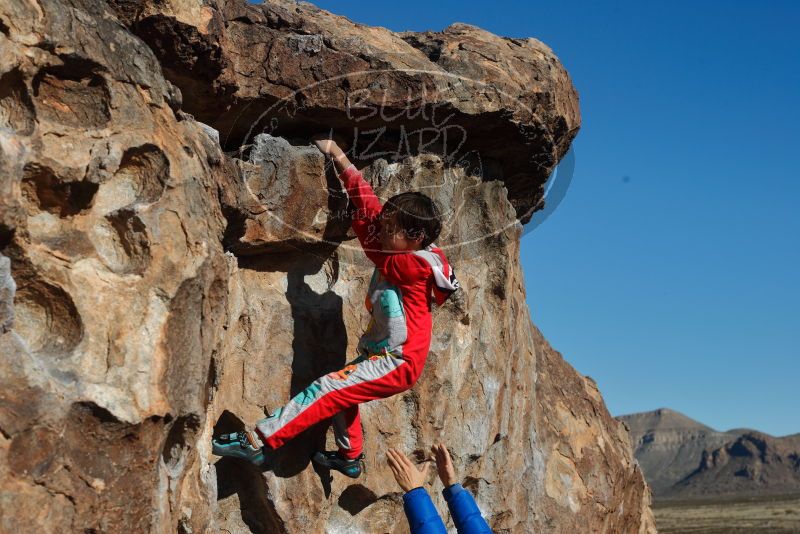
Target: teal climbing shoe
(242,445)
(332,460)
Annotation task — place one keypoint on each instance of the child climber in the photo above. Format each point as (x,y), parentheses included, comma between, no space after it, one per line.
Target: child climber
(410,273)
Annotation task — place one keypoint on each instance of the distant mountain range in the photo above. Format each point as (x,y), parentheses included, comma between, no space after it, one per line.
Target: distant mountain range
(682,458)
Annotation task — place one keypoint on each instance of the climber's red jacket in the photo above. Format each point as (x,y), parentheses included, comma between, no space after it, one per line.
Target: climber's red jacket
(392,351)
(403,285)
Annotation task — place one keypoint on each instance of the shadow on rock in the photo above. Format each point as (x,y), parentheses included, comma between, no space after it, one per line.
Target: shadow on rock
(319,345)
(356,497)
(245,481)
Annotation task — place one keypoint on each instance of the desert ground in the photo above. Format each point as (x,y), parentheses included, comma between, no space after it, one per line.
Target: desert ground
(772,514)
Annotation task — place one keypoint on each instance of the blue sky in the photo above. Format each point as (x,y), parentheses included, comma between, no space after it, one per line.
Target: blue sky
(678,285)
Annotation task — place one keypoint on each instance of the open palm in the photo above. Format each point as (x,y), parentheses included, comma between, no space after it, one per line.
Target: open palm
(444,465)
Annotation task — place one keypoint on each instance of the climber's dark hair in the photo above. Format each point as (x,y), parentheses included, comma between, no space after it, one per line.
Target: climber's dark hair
(416,214)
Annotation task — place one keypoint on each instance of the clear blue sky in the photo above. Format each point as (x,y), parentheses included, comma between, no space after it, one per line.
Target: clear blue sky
(678,286)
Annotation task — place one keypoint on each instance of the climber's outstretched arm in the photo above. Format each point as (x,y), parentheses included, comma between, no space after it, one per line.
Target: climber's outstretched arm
(366,223)
(329,147)
(368,207)
(396,268)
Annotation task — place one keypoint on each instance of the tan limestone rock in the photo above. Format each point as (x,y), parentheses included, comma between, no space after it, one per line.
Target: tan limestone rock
(155,290)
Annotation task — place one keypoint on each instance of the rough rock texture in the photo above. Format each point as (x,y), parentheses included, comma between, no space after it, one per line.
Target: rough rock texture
(682,458)
(155,290)
(114,235)
(505,106)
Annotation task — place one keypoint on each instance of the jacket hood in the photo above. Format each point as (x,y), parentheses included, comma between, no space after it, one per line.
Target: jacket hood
(445,281)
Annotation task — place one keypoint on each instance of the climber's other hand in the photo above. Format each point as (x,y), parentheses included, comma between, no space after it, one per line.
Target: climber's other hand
(444,465)
(405,472)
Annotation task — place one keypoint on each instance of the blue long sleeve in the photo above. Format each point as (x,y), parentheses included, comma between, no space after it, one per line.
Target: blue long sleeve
(421,513)
(466,515)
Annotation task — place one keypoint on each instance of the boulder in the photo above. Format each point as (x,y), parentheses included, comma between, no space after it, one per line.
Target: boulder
(158,287)
(504,107)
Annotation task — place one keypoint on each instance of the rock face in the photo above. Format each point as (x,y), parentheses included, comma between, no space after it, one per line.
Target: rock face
(682,458)
(505,107)
(155,290)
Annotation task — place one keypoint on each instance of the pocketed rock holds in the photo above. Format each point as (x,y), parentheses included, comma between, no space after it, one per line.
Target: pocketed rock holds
(110,220)
(159,296)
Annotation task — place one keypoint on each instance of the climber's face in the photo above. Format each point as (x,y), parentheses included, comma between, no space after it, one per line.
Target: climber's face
(393,238)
